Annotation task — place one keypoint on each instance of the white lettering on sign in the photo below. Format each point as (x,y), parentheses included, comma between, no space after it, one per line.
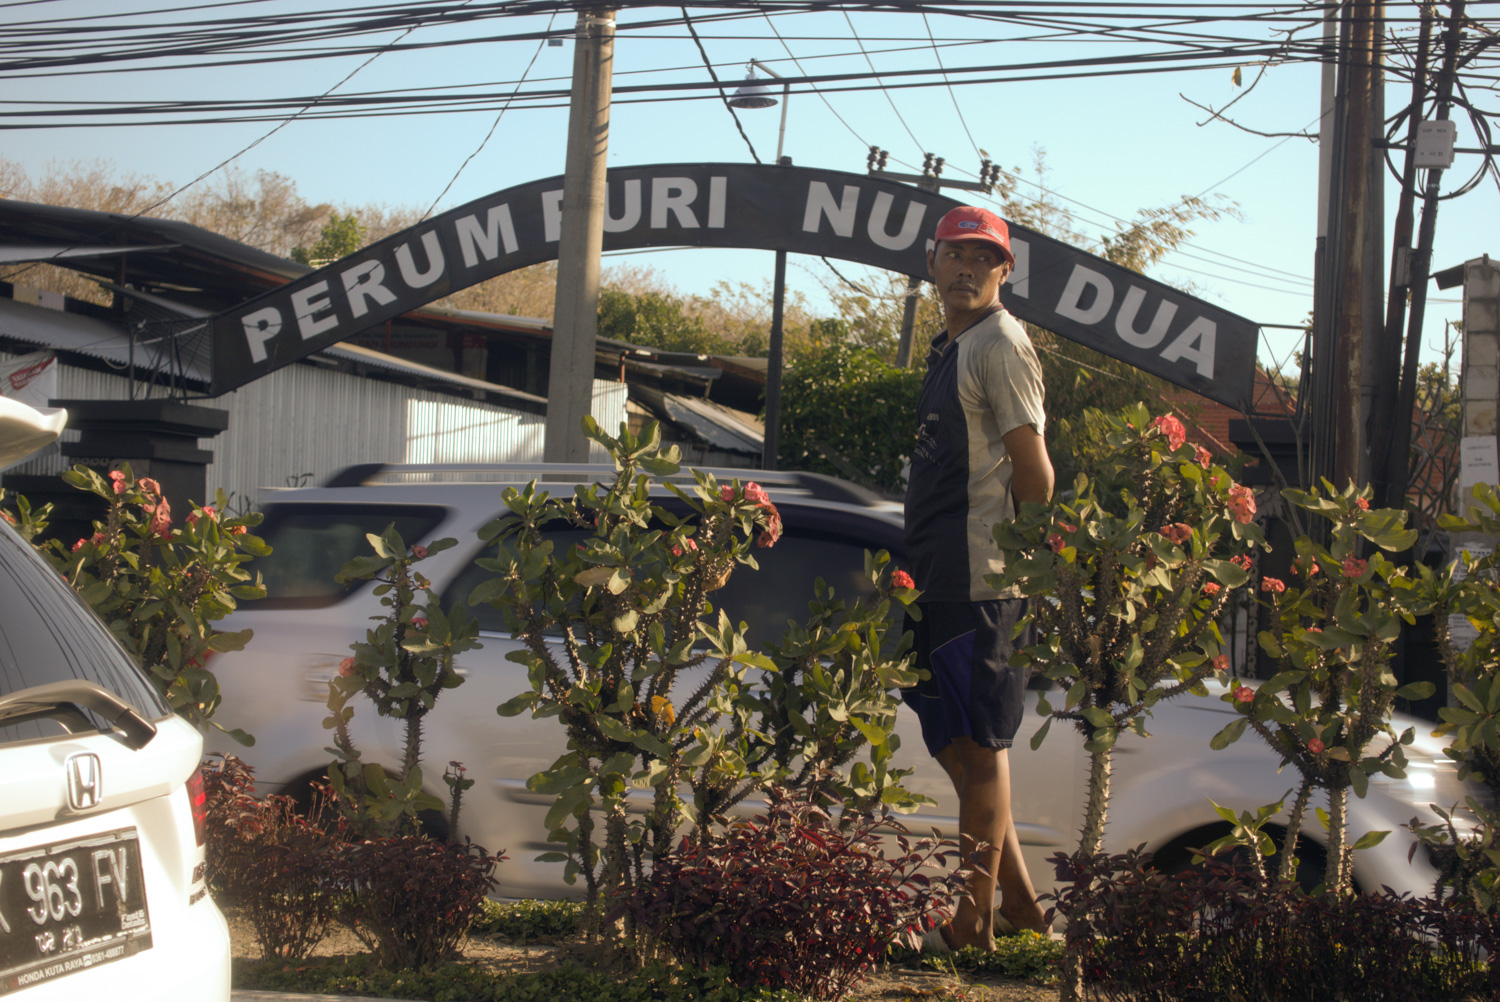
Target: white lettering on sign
(674,195)
(475,240)
(1196,344)
(1125,322)
(552,216)
(307,304)
(718,188)
(1083,279)
(632,210)
(821,204)
(260,327)
(433,251)
(366,281)
(1089,295)
(911,226)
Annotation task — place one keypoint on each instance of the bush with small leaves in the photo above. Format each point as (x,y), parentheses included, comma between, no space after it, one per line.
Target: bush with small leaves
(411,899)
(1223,931)
(796,898)
(270,860)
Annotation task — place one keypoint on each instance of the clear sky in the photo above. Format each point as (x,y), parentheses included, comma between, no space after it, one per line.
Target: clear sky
(1113,145)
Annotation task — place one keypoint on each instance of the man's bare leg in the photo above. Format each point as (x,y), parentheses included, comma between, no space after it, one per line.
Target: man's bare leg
(981,778)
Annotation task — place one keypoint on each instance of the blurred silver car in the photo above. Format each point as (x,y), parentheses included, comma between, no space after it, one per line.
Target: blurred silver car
(101,806)
(277,687)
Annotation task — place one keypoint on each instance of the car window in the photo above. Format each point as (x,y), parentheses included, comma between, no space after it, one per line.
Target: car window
(48,634)
(310,542)
(765,598)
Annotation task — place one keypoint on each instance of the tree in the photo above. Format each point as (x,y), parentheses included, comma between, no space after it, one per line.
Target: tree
(654,319)
(842,413)
(341,236)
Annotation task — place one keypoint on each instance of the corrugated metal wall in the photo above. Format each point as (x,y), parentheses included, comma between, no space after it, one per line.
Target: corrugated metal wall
(302,420)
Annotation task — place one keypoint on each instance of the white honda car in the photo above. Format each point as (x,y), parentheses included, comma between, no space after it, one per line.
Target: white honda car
(277,687)
(101,802)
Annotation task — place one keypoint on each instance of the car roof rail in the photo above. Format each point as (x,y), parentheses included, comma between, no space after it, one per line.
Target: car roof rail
(815,485)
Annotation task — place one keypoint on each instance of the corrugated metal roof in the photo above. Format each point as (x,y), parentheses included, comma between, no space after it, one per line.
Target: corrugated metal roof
(88,336)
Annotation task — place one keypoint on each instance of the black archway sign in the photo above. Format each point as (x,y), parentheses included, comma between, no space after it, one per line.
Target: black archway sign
(853,217)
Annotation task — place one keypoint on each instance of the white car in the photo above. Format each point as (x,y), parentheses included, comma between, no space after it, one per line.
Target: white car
(277,687)
(101,806)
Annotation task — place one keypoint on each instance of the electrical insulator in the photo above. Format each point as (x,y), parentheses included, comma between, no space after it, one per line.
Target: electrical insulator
(937,166)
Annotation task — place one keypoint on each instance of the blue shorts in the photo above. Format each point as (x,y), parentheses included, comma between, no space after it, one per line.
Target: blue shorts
(971,690)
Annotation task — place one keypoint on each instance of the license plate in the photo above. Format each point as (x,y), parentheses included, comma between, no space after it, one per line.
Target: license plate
(69,906)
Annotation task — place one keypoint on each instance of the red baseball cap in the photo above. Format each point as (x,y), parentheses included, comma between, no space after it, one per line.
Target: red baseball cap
(970,222)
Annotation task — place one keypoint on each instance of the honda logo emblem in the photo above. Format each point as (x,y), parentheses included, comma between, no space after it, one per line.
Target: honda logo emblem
(85,781)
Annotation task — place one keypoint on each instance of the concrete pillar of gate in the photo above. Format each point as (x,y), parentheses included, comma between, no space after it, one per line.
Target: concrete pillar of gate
(158,438)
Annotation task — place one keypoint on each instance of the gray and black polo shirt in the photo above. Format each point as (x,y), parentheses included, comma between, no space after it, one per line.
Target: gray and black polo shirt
(979,386)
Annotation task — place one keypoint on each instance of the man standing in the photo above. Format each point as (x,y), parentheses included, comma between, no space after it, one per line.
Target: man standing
(979,455)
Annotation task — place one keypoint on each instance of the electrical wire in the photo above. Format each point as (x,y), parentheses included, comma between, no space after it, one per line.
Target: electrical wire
(708,63)
(493,126)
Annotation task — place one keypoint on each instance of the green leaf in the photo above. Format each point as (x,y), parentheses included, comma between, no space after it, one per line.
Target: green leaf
(1229,734)
(1041,734)
(1416,690)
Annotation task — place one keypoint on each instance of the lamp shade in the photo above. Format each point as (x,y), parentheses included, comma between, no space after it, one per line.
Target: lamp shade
(752,94)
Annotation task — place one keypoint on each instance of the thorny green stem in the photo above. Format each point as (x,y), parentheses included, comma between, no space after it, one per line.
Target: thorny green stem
(1288,868)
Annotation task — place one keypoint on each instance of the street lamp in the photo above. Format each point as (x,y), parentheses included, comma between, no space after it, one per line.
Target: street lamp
(754,94)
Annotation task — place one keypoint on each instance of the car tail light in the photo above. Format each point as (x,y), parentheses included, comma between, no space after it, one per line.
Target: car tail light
(198,800)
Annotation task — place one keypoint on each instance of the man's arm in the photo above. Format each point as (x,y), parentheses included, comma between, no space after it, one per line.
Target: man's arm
(1031,467)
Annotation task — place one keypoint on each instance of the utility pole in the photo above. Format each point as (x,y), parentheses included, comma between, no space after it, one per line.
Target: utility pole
(575,317)
(1421,258)
(928,180)
(1349,315)
(1390,429)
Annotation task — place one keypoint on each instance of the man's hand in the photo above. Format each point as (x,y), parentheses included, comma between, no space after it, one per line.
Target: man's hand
(1031,467)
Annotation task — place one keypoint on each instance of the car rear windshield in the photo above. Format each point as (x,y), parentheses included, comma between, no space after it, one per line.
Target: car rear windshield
(48,634)
(310,542)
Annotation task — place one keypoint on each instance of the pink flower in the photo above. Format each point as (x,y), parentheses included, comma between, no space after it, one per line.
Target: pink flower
(346,668)
(1172,428)
(8,517)
(97,538)
(213,516)
(419,622)
(238,530)
(1178,532)
(1363,504)
(1273,585)
(1205,458)
(121,487)
(1244,694)
(678,551)
(116,475)
(1314,629)
(1354,567)
(901,579)
(1056,542)
(1316,746)
(726,494)
(1221,663)
(420,552)
(773,526)
(1210,588)
(149,486)
(1241,502)
(1213,481)
(1242,561)
(755,494)
(1065,527)
(161,518)
(79,545)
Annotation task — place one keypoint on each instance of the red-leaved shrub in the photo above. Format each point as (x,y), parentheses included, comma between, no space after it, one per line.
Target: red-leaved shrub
(268,860)
(795,898)
(1219,931)
(410,898)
